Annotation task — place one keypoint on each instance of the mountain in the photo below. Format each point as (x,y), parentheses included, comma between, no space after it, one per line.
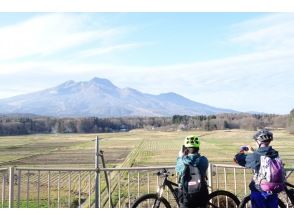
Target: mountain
(99,97)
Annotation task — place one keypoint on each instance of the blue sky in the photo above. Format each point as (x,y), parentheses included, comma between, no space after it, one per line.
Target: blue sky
(242,61)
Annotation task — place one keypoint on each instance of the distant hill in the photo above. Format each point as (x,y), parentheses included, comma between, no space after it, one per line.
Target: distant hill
(99,97)
(19,115)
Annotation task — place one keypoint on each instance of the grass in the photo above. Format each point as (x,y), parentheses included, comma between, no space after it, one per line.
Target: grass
(162,148)
(64,150)
(134,148)
(158,148)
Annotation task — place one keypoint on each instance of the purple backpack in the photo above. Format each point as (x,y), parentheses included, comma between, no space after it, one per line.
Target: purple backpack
(271,175)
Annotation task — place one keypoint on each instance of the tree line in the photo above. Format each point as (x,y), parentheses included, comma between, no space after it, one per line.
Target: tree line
(21,125)
(290,126)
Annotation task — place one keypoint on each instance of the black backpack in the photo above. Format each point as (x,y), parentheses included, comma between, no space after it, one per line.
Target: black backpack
(192,180)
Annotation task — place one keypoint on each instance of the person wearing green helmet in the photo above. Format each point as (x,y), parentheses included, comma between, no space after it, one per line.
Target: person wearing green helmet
(191,168)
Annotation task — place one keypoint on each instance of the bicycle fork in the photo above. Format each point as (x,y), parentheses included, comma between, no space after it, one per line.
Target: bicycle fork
(157,202)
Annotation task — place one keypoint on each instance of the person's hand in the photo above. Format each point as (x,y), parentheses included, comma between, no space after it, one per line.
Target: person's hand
(183,151)
(181,154)
(244,148)
(251,149)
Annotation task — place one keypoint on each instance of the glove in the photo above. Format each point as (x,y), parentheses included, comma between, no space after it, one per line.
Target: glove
(240,158)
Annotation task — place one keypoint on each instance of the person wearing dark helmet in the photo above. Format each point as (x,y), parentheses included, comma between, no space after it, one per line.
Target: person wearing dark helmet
(191,168)
(268,178)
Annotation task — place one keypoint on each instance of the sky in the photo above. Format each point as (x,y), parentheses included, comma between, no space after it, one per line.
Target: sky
(241,61)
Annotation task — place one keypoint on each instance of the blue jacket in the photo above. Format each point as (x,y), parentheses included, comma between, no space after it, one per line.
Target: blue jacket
(192,159)
(252,161)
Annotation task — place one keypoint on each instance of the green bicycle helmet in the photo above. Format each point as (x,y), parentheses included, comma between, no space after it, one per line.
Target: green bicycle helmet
(192,141)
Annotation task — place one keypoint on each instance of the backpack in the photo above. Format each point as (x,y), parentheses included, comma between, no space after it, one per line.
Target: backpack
(192,180)
(271,175)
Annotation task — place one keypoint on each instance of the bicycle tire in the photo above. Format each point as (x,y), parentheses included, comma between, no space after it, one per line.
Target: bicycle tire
(140,201)
(245,202)
(228,200)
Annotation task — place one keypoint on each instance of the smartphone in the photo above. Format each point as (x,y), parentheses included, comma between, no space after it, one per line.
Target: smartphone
(184,150)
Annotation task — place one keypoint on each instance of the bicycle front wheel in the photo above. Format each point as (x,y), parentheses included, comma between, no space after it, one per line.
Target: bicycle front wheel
(222,199)
(246,203)
(151,201)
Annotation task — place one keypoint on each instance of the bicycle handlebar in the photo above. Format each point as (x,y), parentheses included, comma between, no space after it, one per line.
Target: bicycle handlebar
(164,173)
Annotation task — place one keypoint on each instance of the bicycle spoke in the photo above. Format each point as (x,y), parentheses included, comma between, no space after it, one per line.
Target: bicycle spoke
(212,205)
(150,199)
(222,202)
(223,199)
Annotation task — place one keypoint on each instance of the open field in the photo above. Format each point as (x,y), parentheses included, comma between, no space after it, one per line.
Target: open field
(135,148)
(66,150)
(153,147)
(218,146)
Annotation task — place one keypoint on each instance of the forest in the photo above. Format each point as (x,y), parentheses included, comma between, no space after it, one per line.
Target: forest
(32,124)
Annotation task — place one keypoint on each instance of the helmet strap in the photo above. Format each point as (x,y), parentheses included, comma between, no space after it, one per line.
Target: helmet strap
(259,143)
(262,143)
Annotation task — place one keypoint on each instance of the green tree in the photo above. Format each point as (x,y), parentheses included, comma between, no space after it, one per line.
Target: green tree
(291,122)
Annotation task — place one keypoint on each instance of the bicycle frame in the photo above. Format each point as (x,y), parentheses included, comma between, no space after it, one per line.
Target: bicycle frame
(158,197)
(170,185)
(289,192)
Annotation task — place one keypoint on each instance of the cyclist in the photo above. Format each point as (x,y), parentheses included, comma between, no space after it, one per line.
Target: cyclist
(188,157)
(259,197)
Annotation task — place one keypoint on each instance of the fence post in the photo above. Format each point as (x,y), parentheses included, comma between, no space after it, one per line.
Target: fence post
(97,180)
(11,187)
(209,176)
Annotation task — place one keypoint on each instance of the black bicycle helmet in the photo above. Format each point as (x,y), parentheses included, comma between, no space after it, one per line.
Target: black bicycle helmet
(263,135)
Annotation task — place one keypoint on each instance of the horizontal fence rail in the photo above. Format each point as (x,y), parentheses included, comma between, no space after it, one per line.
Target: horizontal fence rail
(117,187)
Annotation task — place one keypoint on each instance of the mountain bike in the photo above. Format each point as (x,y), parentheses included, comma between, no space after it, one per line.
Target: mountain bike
(216,199)
(289,191)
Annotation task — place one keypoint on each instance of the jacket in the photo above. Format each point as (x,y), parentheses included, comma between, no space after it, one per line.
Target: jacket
(191,159)
(252,161)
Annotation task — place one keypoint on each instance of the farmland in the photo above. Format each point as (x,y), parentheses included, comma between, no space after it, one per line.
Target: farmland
(137,148)
(154,147)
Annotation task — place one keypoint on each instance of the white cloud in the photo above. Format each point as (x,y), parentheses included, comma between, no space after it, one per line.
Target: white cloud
(275,31)
(109,49)
(50,33)
(237,82)
(261,80)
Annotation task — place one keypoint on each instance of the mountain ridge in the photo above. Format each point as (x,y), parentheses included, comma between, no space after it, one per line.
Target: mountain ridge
(100,97)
